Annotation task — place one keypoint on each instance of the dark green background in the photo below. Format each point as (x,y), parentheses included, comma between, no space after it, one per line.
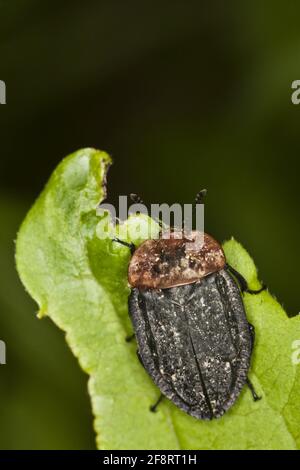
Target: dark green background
(184,95)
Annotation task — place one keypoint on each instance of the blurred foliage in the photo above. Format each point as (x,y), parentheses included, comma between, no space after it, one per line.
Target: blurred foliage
(188,95)
(44,402)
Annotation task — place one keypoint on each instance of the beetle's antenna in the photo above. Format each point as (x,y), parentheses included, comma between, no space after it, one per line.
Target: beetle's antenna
(199,199)
(200,196)
(136,198)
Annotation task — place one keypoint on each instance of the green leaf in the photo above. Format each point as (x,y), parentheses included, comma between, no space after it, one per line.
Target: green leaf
(80,281)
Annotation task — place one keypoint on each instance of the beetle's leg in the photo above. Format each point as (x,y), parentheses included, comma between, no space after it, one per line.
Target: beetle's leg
(249,383)
(130,245)
(129,338)
(252,390)
(153,408)
(243,283)
(252,333)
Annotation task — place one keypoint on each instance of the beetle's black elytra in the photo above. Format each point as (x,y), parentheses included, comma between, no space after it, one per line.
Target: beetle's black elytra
(195,342)
(190,324)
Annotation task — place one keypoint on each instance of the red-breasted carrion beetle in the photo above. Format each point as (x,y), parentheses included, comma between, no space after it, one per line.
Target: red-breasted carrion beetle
(193,336)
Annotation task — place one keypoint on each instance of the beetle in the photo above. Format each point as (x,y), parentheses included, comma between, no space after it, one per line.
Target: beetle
(193,336)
